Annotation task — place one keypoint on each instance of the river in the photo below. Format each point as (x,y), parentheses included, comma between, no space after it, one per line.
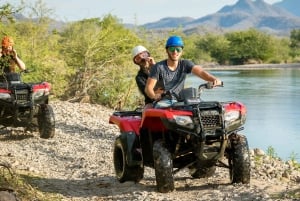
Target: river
(272,98)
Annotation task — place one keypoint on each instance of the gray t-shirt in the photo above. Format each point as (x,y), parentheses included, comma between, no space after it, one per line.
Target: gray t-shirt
(172,81)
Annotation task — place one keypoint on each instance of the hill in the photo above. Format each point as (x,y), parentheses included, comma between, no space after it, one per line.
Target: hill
(277,19)
(240,16)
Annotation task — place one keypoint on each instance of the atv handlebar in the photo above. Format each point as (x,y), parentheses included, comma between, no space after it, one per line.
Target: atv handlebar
(25,71)
(169,95)
(209,85)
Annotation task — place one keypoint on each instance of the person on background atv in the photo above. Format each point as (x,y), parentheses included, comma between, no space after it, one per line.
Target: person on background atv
(172,73)
(141,57)
(9,58)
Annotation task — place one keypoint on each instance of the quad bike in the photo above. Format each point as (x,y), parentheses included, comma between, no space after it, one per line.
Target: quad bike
(26,105)
(193,134)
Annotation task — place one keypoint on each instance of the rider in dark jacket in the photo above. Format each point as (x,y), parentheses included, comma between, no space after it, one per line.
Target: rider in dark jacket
(142,58)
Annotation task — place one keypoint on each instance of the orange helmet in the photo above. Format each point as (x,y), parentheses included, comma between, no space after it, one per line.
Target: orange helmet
(7,41)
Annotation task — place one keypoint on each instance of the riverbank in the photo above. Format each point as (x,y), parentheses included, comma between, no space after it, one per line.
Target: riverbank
(252,66)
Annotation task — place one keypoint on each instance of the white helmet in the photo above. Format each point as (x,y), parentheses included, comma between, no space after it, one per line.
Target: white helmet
(137,50)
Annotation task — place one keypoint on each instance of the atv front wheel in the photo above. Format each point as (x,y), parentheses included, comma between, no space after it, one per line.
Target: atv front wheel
(239,160)
(123,171)
(46,121)
(163,165)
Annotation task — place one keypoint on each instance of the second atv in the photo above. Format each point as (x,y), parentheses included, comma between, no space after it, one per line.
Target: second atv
(26,105)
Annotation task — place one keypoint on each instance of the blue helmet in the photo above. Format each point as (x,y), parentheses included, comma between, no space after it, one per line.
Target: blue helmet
(174,41)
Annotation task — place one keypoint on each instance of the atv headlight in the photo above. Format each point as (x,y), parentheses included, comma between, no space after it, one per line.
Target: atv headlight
(38,93)
(5,96)
(185,121)
(232,116)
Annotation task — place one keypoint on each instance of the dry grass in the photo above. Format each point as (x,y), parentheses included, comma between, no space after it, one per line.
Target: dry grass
(13,182)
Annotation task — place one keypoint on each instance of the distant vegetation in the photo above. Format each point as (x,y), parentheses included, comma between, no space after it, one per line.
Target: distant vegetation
(90,60)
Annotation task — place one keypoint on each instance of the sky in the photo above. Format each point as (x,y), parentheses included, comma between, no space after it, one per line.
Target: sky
(132,11)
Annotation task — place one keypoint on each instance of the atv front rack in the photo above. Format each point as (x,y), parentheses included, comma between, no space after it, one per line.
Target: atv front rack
(136,112)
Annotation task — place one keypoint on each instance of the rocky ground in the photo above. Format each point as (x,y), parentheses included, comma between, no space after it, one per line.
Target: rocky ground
(77,165)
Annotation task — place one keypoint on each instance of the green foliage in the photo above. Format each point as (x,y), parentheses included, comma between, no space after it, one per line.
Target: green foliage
(242,47)
(258,160)
(7,12)
(271,152)
(249,45)
(295,43)
(97,50)
(281,50)
(217,46)
(294,157)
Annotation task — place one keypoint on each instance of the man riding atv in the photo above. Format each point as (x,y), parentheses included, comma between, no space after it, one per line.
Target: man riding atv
(172,73)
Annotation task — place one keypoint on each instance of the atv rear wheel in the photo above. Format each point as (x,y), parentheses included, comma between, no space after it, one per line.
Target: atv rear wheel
(46,121)
(239,160)
(163,165)
(123,171)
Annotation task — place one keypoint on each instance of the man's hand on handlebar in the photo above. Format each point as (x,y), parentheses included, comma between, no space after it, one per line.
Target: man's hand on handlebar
(217,82)
(158,93)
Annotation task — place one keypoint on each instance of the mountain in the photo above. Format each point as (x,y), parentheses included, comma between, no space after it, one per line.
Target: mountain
(169,22)
(240,16)
(290,5)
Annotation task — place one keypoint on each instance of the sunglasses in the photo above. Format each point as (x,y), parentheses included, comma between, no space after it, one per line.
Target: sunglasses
(173,49)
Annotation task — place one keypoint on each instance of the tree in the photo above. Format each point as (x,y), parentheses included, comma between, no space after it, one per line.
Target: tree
(7,12)
(97,50)
(295,43)
(216,45)
(249,45)
(281,50)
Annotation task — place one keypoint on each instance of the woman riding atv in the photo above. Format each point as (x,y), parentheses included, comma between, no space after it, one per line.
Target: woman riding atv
(9,58)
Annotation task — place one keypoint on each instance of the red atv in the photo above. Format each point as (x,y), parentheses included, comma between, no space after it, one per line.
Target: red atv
(191,133)
(26,104)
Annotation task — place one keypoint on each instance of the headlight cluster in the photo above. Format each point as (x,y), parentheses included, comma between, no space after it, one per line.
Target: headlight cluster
(184,121)
(232,116)
(5,96)
(39,93)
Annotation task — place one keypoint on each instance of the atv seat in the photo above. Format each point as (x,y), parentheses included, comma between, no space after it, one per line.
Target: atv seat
(11,78)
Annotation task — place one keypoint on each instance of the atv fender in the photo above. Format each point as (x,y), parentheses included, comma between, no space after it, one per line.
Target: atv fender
(131,141)
(127,124)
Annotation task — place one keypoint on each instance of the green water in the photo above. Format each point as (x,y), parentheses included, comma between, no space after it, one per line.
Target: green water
(272,98)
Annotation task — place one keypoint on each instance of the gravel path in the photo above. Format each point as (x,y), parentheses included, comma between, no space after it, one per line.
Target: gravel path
(77,164)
